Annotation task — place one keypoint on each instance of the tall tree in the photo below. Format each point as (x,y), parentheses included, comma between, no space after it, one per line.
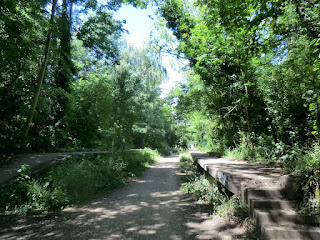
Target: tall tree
(246,52)
(65,68)
(22,27)
(136,81)
(43,67)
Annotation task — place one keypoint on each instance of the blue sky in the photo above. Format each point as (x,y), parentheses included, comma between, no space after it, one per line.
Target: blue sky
(139,25)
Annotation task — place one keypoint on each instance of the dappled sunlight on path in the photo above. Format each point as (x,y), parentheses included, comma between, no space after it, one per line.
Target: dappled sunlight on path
(149,207)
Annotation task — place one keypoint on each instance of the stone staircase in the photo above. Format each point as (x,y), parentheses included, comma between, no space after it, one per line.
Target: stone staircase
(269,193)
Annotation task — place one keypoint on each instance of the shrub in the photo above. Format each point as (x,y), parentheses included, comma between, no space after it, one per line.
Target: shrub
(201,189)
(139,160)
(149,155)
(308,170)
(85,176)
(29,195)
(266,150)
(234,207)
(75,180)
(186,162)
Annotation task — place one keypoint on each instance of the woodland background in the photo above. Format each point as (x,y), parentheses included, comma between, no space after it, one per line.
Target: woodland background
(69,81)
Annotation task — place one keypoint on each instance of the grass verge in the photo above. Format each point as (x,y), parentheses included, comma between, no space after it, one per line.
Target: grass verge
(76,180)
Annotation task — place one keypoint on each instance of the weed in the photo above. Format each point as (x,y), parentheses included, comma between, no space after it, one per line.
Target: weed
(73,181)
(308,171)
(186,162)
(29,195)
(135,162)
(253,232)
(201,189)
(233,207)
(236,210)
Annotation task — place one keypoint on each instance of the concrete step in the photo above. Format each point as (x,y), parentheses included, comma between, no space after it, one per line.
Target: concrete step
(257,193)
(270,204)
(269,232)
(284,218)
(263,189)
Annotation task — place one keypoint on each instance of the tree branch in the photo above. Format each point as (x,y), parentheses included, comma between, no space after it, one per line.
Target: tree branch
(306,20)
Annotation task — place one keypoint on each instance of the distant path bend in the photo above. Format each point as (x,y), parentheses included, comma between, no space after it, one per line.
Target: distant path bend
(149,207)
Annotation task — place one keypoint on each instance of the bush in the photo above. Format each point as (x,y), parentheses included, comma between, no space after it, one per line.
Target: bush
(164,151)
(186,162)
(31,195)
(308,170)
(148,155)
(84,176)
(201,189)
(234,207)
(139,160)
(75,180)
(265,150)
(245,150)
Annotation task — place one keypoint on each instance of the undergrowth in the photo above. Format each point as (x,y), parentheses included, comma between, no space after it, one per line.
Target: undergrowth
(308,172)
(198,186)
(75,180)
(305,165)
(186,162)
(201,189)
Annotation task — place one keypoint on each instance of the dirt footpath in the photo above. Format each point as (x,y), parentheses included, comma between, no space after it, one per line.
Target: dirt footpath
(150,207)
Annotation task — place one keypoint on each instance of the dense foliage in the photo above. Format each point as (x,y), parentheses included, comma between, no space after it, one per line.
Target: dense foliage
(223,204)
(68,80)
(253,88)
(75,180)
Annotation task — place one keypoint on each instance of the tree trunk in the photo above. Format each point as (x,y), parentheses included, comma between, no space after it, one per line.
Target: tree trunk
(248,117)
(247,111)
(315,89)
(65,65)
(307,22)
(40,77)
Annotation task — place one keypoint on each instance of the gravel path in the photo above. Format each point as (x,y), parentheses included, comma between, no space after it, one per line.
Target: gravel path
(150,207)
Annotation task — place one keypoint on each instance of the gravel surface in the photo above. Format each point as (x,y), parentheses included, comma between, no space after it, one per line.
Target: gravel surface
(149,207)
